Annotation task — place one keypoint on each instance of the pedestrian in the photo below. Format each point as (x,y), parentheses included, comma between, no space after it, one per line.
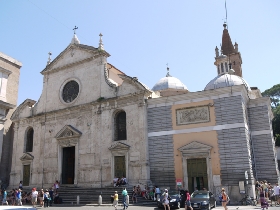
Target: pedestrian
(165,200)
(116,199)
(51,196)
(46,198)
(4,201)
(276,190)
(56,186)
(18,197)
(34,196)
(188,201)
(20,185)
(41,197)
(224,199)
(157,194)
(124,194)
(264,203)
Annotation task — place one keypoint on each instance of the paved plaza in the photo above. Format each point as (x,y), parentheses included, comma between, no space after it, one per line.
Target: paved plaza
(103,207)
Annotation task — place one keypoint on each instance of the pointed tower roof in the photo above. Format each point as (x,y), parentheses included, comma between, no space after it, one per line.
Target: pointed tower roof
(227,46)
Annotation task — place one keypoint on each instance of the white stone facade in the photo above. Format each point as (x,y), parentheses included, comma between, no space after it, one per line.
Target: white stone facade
(86,123)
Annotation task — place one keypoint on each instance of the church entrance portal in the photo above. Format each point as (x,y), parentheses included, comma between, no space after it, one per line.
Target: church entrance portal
(120,166)
(68,165)
(26,175)
(197,174)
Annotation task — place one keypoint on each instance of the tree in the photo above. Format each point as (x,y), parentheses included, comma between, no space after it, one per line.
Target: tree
(274,94)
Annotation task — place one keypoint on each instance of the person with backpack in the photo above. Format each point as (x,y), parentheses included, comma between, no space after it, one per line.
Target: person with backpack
(188,201)
(165,200)
(46,198)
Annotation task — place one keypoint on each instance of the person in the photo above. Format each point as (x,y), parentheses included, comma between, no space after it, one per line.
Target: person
(134,195)
(195,189)
(20,185)
(157,194)
(51,196)
(124,194)
(18,197)
(123,181)
(165,200)
(56,186)
(41,197)
(188,201)
(138,190)
(116,200)
(34,196)
(4,201)
(224,198)
(46,198)
(276,190)
(264,203)
(257,189)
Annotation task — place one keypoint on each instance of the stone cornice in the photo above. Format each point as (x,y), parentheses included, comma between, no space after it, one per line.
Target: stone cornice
(10,59)
(104,103)
(6,105)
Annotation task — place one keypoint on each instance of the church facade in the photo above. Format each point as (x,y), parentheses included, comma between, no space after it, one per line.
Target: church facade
(9,81)
(88,126)
(93,123)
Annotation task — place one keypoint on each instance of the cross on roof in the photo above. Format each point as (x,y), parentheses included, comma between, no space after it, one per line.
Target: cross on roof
(75,29)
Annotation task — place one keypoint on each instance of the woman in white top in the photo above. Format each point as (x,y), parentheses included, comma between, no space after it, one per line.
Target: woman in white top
(165,200)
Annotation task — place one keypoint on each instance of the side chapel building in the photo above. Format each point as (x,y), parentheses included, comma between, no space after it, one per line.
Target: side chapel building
(93,123)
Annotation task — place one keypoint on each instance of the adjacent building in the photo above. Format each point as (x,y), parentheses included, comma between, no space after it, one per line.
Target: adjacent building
(9,81)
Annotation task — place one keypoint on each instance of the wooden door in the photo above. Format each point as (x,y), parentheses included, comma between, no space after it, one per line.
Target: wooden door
(120,169)
(68,165)
(197,174)
(26,175)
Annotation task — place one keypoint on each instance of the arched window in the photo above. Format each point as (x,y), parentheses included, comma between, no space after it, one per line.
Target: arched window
(222,67)
(218,69)
(120,126)
(29,140)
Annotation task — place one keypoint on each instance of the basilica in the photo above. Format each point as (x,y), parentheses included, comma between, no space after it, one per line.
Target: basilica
(93,123)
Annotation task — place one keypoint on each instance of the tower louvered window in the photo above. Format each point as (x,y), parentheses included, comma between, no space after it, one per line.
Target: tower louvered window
(120,126)
(29,140)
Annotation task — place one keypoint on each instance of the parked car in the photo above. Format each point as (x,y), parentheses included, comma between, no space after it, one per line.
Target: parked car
(203,200)
(175,200)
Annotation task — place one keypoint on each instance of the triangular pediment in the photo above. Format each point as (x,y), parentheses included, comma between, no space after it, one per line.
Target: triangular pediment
(68,132)
(195,149)
(195,146)
(119,146)
(27,157)
(74,54)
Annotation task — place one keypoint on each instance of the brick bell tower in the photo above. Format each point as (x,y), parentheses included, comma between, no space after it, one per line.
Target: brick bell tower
(229,56)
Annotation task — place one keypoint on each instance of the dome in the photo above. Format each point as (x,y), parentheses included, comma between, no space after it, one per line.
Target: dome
(169,82)
(226,80)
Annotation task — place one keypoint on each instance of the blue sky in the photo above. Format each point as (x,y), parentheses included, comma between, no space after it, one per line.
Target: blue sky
(143,35)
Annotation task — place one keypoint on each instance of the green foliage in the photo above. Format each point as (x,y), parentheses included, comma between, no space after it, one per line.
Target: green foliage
(274,94)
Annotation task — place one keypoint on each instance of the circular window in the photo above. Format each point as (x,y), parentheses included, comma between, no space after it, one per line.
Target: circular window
(70,91)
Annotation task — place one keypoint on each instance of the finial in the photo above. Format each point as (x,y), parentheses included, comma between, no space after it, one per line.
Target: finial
(101,47)
(75,28)
(167,75)
(217,51)
(49,59)
(225,25)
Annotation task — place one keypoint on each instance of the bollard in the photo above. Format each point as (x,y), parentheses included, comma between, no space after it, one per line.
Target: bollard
(78,199)
(99,200)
